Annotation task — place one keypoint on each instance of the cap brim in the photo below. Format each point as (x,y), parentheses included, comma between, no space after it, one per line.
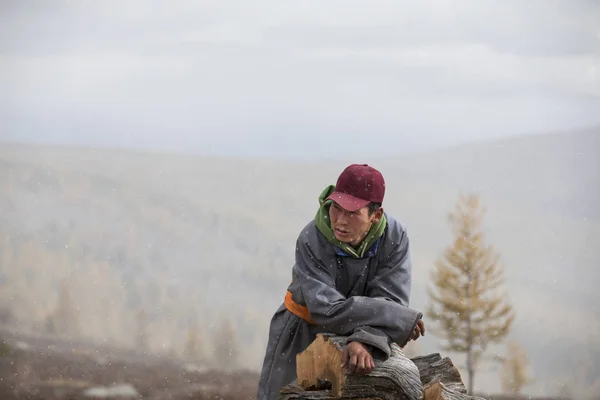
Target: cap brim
(348,202)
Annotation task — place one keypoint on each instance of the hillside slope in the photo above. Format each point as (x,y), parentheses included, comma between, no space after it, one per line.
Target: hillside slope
(187,239)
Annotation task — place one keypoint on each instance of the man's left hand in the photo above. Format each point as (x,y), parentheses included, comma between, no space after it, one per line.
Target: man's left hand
(419,330)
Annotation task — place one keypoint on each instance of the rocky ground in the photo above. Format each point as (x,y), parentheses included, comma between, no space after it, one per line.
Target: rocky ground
(38,367)
(34,367)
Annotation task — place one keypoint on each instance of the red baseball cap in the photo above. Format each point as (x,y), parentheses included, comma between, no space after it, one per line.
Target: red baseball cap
(357,186)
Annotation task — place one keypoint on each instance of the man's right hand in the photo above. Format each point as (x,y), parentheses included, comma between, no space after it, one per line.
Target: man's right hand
(419,330)
(357,359)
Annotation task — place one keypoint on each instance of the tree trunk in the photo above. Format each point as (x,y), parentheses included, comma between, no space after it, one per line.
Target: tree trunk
(321,377)
(471,373)
(470,369)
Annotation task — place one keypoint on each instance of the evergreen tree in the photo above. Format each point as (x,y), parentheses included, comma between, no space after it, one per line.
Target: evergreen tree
(141,338)
(65,320)
(514,374)
(226,345)
(469,311)
(193,345)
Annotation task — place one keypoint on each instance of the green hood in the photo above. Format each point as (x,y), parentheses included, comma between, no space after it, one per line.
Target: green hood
(324,226)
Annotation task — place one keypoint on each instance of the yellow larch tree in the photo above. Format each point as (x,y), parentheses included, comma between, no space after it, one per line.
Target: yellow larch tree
(468,310)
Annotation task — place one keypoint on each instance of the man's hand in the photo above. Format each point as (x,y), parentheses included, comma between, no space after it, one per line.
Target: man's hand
(419,330)
(357,359)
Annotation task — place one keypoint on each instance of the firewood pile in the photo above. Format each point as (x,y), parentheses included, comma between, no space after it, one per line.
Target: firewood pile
(320,376)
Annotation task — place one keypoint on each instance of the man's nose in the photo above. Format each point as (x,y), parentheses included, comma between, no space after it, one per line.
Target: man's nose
(342,217)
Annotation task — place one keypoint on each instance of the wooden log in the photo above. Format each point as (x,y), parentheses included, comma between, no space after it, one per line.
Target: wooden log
(320,376)
(441,372)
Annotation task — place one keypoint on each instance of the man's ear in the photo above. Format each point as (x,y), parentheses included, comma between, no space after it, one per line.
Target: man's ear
(377,215)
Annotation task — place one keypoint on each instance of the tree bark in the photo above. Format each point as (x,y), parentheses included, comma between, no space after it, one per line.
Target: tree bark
(320,376)
(470,369)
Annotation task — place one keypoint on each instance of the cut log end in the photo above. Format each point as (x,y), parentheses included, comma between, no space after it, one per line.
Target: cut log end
(319,367)
(432,391)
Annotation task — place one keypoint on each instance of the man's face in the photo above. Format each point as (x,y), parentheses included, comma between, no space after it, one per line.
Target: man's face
(352,227)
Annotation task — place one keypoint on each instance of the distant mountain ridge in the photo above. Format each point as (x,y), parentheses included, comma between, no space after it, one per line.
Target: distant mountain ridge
(522,169)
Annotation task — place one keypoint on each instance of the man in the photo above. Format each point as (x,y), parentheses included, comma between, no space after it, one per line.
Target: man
(352,276)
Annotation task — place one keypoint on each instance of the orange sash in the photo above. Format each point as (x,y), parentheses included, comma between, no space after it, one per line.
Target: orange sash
(297,309)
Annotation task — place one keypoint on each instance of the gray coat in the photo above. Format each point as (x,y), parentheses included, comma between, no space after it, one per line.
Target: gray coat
(366,299)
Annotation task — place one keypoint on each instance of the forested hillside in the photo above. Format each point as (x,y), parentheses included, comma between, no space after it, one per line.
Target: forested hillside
(140,249)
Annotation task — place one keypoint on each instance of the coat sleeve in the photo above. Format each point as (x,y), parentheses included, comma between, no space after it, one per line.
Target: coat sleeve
(392,282)
(343,316)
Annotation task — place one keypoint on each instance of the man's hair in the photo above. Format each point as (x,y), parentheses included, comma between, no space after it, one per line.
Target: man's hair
(374,207)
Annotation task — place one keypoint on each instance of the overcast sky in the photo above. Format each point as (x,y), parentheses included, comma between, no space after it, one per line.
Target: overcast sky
(220,77)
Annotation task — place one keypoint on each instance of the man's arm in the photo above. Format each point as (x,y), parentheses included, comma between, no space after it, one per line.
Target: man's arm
(330,309)
(392,281)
